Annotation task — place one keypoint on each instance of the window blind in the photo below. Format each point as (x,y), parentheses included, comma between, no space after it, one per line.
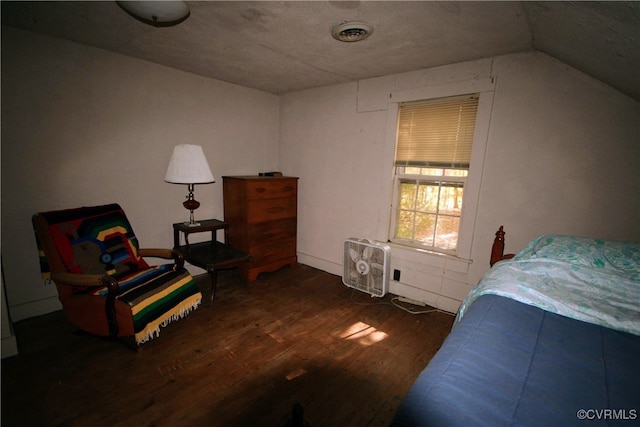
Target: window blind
(436,132)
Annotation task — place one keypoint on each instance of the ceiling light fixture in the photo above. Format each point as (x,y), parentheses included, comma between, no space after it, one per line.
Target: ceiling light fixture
(157,13)
(351,31)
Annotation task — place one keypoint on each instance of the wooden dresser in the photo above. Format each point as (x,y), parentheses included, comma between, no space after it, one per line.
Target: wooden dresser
(262,217)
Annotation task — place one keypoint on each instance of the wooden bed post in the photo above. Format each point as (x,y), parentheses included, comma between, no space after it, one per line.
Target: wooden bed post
(498,246)
(497,250)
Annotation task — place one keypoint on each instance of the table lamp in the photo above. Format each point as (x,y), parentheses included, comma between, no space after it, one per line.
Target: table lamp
(189,166)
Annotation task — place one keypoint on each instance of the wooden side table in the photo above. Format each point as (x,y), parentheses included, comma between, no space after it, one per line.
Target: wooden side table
(212,255)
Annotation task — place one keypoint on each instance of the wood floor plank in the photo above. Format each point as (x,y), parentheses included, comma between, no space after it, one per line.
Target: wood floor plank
(298,335)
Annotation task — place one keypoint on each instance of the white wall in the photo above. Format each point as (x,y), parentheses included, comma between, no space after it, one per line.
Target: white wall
(562,156)
(84,126)
(564,153)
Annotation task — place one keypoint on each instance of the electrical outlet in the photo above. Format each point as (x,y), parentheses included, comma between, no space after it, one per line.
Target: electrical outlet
(396,274)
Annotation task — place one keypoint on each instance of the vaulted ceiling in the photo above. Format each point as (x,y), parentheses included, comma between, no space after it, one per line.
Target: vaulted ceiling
(286,46)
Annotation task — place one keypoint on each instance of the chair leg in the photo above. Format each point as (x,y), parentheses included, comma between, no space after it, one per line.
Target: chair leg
(130,343)
(213,274)
(112,319)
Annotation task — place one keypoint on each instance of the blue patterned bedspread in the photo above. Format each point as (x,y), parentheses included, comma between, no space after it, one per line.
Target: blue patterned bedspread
(592,280)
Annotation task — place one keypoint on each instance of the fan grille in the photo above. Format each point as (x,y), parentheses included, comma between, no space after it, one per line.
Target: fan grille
(366,266)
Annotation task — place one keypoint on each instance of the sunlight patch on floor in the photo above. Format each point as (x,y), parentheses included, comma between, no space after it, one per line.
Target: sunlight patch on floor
(364,333)
(296,373)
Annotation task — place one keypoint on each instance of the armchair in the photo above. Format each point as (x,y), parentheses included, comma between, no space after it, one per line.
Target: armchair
(104,284)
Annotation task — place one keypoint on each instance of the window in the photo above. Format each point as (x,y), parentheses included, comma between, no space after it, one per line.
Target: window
(432,160)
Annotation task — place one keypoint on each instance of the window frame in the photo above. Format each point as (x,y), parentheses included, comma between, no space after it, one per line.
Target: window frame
(484,88)
(442,181)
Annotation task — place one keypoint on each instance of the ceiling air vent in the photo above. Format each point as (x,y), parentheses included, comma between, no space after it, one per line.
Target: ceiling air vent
(351,31)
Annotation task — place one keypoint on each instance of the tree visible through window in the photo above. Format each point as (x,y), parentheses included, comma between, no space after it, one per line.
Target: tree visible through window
(433,152)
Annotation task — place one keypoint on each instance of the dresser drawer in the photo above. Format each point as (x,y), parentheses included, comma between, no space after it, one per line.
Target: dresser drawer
(272,231)
(271,209)
(268,189)
(268,252)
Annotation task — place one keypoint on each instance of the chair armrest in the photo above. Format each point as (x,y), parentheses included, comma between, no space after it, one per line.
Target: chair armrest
(83,280)
(178,258)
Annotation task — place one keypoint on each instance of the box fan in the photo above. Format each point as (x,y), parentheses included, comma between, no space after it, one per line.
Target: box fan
(366,266)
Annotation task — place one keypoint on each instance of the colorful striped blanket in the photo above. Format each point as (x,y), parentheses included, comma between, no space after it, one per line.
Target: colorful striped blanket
(100,240)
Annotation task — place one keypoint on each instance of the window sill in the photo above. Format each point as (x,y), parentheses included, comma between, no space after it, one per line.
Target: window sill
(428,252)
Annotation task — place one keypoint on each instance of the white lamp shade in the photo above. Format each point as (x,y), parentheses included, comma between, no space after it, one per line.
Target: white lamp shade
(188,165)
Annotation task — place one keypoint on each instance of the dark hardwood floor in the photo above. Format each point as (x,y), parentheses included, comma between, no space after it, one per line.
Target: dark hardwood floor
(298,335)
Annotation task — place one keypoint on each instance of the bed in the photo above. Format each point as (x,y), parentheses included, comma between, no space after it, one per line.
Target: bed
(550,337)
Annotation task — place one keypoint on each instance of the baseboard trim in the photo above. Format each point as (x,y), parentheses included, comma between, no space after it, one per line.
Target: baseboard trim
(9,346)
(320,264)
(35,308)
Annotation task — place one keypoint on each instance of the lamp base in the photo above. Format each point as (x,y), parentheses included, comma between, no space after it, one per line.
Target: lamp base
(192,205)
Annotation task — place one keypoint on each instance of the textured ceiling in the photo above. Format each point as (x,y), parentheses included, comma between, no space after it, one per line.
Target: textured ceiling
(285,46)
